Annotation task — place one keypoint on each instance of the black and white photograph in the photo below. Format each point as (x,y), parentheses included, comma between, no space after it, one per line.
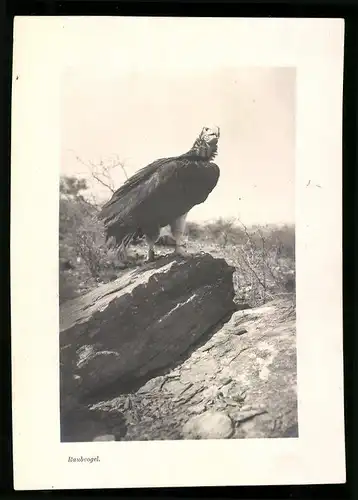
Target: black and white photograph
(177,280)
(186,217)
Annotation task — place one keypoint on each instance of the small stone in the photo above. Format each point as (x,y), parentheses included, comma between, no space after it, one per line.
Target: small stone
(225,380)
(241,331)
(105,437)
(209,425)
(197,409)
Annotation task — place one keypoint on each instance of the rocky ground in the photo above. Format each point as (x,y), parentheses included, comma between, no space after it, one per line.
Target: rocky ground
(211,371)
(239,384)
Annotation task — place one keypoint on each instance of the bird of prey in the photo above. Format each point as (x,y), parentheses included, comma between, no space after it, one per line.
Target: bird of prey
(162,194)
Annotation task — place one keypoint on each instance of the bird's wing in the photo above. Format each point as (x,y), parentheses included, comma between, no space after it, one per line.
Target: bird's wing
(159,194)
(137,179)
(136,190)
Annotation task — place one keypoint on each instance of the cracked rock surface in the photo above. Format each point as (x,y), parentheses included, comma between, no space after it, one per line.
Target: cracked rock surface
(120,335)
(233,386)
(167,358)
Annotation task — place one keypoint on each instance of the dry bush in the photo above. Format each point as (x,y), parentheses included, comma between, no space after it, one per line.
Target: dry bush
(195,231)
(85,258)
(264,257)
(261,274)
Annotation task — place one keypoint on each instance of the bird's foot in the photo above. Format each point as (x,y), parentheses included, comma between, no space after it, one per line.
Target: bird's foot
(181,252)
(150,256)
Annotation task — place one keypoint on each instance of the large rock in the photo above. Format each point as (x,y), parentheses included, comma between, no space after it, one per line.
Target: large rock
(125,332)
(241,383)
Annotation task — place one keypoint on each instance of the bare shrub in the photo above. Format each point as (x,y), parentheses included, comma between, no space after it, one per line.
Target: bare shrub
(223,231)
(194,230)
(263,256)
(265,265)
(102,172)
(82,243)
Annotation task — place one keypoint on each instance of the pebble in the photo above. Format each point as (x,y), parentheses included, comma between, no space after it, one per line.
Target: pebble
(208,425)
(105,437)
(241,331)
(224,380)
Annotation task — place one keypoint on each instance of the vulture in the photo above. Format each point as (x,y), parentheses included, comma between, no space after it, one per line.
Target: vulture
(161,194)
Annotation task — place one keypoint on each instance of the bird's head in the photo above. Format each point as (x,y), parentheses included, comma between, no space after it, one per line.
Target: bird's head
(206,145)
(210,135)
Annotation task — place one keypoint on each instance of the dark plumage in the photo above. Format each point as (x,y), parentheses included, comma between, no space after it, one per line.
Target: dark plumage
(162,193)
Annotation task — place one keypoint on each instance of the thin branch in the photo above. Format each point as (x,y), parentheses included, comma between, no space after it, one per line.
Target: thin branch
(265,260)
(247,262)
(98,179)
(101,173)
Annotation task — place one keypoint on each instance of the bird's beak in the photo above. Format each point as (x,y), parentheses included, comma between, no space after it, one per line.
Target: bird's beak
(215,134)
(212,133)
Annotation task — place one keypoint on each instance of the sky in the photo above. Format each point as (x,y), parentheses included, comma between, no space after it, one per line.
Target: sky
(141,114)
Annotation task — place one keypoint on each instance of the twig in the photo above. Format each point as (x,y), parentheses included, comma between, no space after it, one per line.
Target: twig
(107,182)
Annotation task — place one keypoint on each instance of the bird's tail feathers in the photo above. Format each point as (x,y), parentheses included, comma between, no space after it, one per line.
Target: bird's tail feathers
(127,239)
(116,241)
(123,245)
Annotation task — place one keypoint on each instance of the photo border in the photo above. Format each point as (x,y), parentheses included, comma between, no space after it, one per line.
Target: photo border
(21,354)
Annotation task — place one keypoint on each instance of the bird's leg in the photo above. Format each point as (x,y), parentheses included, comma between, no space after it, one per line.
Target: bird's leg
(151,239)
(151,254)
(178,227)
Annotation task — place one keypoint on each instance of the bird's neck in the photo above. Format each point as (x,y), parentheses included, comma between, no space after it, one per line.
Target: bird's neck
(201,151)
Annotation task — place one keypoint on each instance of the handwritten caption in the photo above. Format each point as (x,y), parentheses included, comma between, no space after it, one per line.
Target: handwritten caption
(82,459)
